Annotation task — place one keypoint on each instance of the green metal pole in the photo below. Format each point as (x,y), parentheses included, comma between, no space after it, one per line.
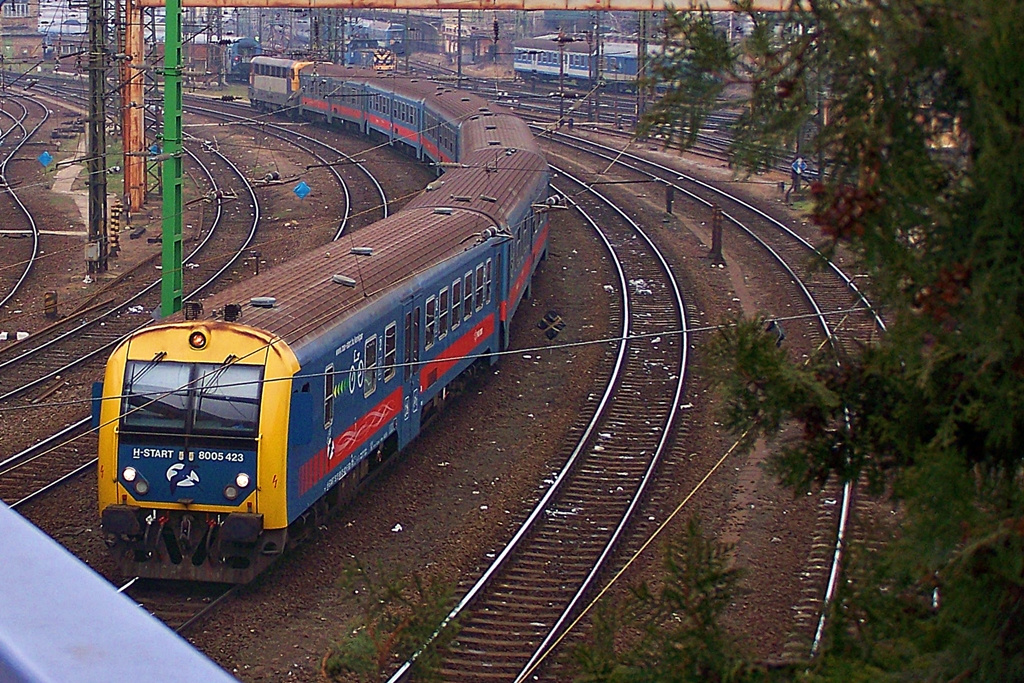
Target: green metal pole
(170,283)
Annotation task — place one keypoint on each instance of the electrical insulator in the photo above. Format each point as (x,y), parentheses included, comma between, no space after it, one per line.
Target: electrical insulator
(495,29)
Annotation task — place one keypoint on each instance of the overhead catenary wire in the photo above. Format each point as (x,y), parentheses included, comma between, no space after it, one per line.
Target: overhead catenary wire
(842,314)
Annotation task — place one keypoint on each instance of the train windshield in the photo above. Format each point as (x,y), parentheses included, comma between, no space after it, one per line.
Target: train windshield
(192,398)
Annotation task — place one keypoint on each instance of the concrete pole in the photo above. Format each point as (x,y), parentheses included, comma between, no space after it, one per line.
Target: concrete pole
(133,109)
(96,164)
(561,77)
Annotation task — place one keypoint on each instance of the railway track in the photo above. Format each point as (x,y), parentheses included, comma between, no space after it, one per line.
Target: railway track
(179,605)
(49,366)
(825,285)
(21,247)
(512,615)
(831,309)
(235,114)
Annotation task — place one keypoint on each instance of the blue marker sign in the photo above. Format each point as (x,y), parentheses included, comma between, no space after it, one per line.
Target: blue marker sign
(302,190)
(45,159)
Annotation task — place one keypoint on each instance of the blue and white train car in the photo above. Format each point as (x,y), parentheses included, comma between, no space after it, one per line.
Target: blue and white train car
(538,59)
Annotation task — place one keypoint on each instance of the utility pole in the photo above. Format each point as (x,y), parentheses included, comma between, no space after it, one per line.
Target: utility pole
(170,282)
(344,28)
(562,39)
(592,60)
(597,67)
(405,41)
(315,44)
(641,66)
(218,28)
(458,46)
(96,249)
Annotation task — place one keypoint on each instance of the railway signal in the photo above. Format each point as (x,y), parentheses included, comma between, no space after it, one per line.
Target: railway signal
(114,234)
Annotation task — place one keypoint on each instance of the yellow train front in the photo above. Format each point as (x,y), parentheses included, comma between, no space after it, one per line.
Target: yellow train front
(192,442)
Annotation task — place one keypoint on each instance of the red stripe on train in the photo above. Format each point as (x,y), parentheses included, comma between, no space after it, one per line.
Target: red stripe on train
(314,470)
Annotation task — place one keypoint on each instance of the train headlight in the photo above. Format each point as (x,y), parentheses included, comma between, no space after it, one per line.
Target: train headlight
(242,480)
(197,340)
(231,492)
(134,480)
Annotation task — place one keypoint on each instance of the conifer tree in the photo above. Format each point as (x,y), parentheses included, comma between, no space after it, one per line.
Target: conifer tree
(915,109)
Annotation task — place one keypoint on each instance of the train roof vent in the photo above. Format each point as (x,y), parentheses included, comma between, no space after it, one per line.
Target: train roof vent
(263,301)
(490,126)
(473,118)
(465,99)
(462,198)
(443,210)
(362,251)
(492,143)
(488,198)
(485,109)
(343,280)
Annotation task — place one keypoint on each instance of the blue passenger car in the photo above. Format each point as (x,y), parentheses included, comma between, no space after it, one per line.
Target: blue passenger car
(224,438)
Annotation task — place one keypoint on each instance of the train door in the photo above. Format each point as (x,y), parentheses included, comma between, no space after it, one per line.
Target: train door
(409,425)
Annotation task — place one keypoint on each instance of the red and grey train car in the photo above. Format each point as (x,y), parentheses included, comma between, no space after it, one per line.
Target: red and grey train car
(223,437)
(420,116)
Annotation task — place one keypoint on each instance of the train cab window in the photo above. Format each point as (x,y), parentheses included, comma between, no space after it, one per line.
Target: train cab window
(328,396)
(467,289)
(226,399)
(487,282)
(442,314)
(390,351)
(456,303)
(479,287)
(431,325)
(184,398)
(370,360)
(156,396)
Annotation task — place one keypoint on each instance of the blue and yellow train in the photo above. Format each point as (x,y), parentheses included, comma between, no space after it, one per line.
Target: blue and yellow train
(225,436)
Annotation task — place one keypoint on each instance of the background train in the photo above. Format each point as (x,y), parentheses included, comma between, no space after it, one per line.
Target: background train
(226,436)
(373,44)
(240,55)
(537,59)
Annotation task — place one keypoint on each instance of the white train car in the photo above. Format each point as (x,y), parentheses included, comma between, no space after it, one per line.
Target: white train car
(538,59)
